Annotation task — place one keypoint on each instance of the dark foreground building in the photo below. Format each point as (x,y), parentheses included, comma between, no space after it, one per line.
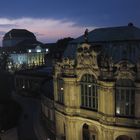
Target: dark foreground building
(38,83)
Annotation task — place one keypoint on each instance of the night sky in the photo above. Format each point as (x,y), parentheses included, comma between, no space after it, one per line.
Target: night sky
(51,20)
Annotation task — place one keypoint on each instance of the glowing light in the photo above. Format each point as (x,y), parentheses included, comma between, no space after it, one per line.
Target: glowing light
(118,110)
(38,50)
(89,85)
(23,86)
(47,50)
(29,51)
(9,67)
(62,88)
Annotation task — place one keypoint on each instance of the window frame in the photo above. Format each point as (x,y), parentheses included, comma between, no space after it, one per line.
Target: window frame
(60,91)
(89,94)
(124,94)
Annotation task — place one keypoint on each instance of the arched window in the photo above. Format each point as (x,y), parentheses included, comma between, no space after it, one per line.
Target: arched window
(86,133)
(60,91)
(89,97)
(89,132)
(125,98)
(123,137)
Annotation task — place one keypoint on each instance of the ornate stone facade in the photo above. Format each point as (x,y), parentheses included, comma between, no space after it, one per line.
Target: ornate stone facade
(100,95)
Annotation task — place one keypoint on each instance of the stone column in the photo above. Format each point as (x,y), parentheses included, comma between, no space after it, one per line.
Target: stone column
(106,98)
(137,101)
(55,88)
(60,124)
(71,131)
(70,92)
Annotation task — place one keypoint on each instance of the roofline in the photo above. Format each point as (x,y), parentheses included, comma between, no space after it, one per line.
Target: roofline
(104,41)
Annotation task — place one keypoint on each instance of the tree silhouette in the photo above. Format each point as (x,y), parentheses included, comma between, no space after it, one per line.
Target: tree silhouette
(62,43)
(4,60)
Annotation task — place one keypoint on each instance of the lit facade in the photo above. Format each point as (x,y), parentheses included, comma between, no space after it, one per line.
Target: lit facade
(97,87)
(23,50)
(28,59)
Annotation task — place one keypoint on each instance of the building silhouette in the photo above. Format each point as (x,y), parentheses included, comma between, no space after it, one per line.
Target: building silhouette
(15,36)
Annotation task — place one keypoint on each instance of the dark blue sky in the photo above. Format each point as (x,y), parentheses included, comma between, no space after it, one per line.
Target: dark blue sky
(82,13)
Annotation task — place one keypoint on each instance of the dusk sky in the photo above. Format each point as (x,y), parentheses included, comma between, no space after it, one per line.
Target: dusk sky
(51,20)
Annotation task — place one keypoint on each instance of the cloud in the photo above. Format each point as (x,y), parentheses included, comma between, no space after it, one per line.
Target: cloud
(7,25)
(2,33)
(46,30)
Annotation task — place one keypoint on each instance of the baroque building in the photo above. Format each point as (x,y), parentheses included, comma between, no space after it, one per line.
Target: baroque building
(97,86)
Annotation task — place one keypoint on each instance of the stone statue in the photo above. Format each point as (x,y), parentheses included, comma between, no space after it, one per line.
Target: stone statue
(86,36)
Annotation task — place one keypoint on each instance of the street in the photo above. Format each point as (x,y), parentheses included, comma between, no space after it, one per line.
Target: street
(29,127)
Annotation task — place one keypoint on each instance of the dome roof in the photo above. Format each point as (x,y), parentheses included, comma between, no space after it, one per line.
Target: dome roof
(19,33)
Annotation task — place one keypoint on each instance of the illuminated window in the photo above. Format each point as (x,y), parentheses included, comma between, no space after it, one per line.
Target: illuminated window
(89,97)
(125,98)
(60,91)
(38,50)
(9,66)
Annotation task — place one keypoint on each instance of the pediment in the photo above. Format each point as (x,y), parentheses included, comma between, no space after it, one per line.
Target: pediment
(86,56)
(124,65)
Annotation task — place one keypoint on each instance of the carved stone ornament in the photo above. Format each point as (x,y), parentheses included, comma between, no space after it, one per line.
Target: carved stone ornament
(86,56)
(106,63)
(67,63)
(124,65)
(125,70)
(125,75)
(86,36)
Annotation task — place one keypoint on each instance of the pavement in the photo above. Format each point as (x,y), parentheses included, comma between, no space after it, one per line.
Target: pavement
(29,127)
